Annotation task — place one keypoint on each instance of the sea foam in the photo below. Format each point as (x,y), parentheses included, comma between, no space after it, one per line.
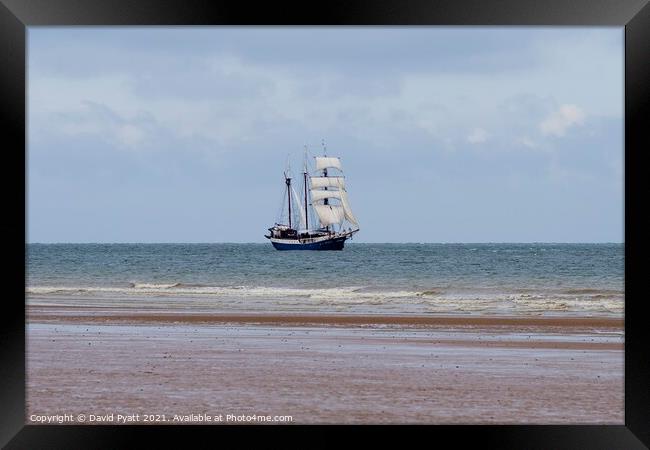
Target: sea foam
(432,300)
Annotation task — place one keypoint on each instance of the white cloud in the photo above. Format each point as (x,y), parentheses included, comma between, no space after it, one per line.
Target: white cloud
(94,119)
(558,122)
(526,142)
(477,136)
(272,96)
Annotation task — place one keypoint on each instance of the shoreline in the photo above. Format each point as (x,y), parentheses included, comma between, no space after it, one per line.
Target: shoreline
(102,314)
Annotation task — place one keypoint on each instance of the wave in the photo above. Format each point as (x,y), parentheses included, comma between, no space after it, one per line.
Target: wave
(591,291)
(180,289)
(429,299)
(360,291)
(430,293)
(153,286)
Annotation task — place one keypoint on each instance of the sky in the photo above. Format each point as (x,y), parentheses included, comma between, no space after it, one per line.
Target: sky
(445,134)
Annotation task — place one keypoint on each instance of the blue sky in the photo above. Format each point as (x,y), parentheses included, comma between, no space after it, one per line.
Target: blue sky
(446,134)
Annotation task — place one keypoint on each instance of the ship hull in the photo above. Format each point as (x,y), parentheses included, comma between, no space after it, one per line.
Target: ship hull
(326,244)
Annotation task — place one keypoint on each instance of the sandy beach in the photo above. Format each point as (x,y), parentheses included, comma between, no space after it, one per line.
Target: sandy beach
(321,368)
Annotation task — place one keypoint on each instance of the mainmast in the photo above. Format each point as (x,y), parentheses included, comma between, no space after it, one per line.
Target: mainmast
(305,182)
(325,200)
(306,214)
(288,181)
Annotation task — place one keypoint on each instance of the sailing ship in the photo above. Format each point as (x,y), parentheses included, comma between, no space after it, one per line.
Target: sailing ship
(325,200)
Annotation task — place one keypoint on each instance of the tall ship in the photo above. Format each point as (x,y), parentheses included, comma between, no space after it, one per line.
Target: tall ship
(320,218)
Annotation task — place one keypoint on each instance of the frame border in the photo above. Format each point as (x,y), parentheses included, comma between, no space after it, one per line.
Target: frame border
(634,15)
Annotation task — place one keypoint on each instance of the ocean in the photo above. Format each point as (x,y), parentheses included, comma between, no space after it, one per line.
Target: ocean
(512,279)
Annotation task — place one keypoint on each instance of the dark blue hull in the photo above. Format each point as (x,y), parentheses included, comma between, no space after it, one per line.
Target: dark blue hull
(330,244)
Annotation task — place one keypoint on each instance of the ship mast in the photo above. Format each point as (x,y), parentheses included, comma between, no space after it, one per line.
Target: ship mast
(288,181)
(306,214)
(325,200)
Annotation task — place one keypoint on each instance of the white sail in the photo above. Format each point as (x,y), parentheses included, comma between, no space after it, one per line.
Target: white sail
(317,195)
(300,207)
(329,214)
(325,162)
(321,182)
(343,195)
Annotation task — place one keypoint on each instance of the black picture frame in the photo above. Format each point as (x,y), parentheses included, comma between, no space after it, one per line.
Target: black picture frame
(634,15)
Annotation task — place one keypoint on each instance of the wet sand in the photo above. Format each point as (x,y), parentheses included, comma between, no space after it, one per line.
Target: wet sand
(329,368)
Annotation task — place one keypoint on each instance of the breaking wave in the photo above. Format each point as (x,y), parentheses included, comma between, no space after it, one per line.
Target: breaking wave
(180,289)
(154,286)
(431,300)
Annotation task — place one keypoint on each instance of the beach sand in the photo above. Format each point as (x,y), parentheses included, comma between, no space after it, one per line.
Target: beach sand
(323,368)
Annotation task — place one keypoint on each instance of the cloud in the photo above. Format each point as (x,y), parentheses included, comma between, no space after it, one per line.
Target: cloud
(558,122)
(477,136)
(102,122)
(526,141)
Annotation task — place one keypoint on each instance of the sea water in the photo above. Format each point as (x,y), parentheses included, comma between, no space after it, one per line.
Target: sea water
(548,279)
